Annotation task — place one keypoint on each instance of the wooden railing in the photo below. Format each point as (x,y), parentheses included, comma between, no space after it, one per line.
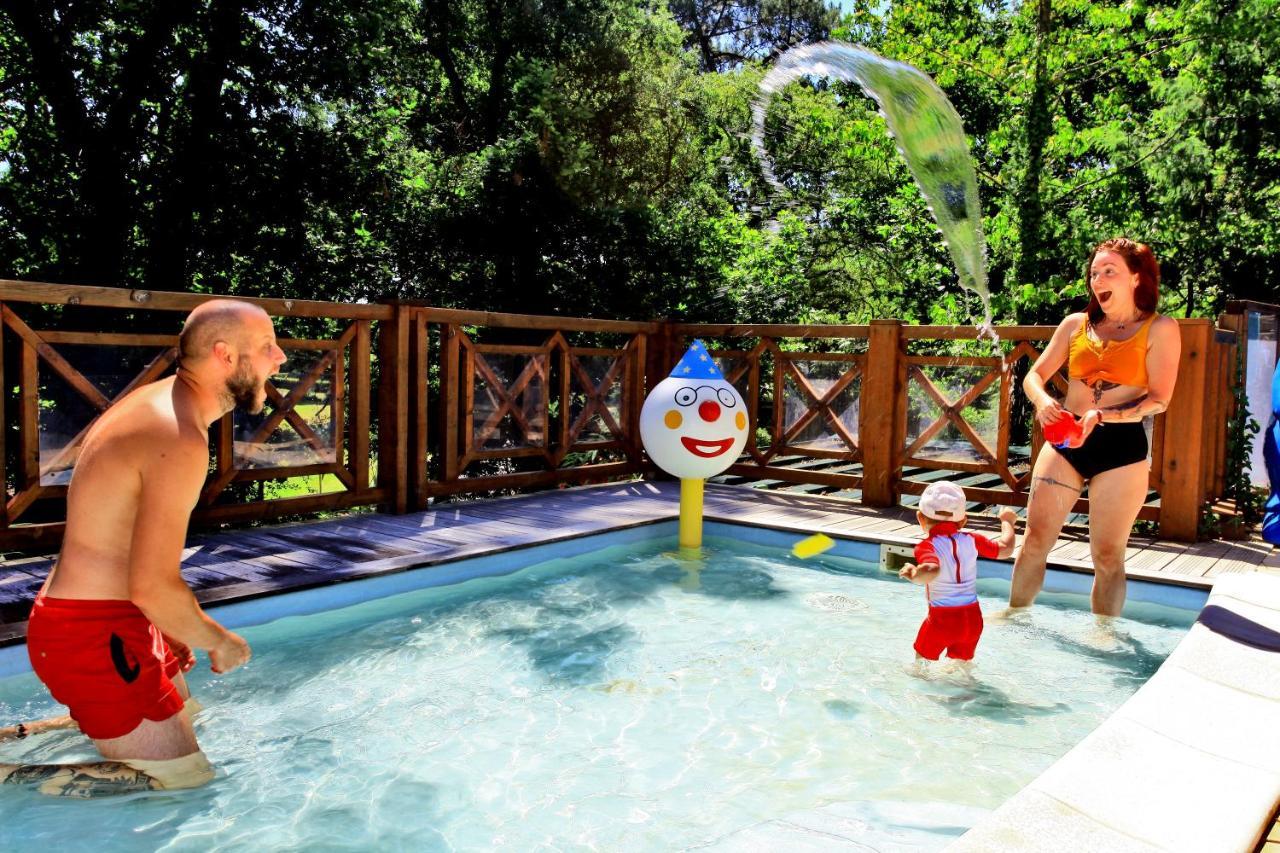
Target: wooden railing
(474,402)
(316,422)
(891,435)
(542,412)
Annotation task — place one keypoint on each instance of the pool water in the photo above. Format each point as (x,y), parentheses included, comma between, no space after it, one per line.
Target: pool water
(624,699)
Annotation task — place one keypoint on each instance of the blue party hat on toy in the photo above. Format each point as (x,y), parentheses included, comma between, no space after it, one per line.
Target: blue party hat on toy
(697,364)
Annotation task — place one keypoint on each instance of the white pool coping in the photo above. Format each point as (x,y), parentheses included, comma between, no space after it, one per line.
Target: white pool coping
(1191,762)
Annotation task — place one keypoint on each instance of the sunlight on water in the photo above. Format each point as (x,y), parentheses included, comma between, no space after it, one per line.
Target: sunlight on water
(627,699)
(928,132)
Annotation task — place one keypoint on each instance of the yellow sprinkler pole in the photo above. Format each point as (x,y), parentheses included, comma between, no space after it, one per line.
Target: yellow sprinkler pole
(691,513)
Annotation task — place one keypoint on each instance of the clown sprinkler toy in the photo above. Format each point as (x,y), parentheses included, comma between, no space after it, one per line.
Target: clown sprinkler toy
(693,426)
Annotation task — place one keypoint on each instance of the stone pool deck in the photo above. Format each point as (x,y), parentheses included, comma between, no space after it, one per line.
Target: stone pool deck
(235,565)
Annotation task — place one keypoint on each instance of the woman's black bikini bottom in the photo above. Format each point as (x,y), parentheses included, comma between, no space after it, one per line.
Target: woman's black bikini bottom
(1108,446)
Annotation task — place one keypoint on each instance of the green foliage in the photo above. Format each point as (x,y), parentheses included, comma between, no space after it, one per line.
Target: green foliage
(1241,429)
(591,156)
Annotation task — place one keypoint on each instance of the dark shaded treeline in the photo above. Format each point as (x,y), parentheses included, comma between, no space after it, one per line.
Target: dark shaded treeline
(589,156)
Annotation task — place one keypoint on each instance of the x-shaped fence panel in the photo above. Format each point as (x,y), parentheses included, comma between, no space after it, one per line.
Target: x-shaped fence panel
(512,394)
(954,397)
(815,400)
(300,432)
(816,403)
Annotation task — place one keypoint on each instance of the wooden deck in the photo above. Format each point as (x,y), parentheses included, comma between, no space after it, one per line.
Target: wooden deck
(242,564)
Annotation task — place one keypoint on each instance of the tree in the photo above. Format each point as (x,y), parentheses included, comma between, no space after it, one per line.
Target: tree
(727,34)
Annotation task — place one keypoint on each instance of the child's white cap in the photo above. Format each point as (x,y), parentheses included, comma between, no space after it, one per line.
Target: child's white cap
(943,502)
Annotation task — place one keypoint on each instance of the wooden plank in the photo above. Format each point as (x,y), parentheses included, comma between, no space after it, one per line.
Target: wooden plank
(1240,557)
(29,418)
(53,336)
(509,349)
(954,360)
(882,392)
(419,385)
(791,357)
(843,481)
(1155,556)
(819,452)
(1196,559)
(159,300)
(263,510)
(393,430)
(449,380)
(467,413)
(339,408)
(632,397)
(1182,481)
(953,333)
(286,471)
(4,429)
(537,479)
(496,320)
(769,330)
(359,378)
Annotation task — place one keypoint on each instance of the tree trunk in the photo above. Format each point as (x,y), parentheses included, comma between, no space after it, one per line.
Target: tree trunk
(1029,268)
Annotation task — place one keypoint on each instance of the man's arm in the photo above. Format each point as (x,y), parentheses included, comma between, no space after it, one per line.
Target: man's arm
(170,488)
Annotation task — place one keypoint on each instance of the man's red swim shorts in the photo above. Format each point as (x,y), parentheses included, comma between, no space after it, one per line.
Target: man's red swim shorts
(104,661)
(954,630)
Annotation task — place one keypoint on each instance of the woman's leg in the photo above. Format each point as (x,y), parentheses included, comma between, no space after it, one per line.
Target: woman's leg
(1121,491)
(1055,486)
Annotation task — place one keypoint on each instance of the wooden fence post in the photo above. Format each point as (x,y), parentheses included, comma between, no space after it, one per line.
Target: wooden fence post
(1182,480)
(417,383)
(393,409)
(660,356)
(881,414)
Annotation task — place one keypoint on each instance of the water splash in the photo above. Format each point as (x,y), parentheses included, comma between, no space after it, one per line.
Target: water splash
(927,130)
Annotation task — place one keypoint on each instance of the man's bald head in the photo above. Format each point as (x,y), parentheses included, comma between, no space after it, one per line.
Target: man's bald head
(227,320)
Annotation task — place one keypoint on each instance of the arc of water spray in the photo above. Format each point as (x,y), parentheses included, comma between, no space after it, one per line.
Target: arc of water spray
(926,129)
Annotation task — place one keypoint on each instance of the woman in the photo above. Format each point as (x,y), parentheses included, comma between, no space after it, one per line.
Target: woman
(1122,362)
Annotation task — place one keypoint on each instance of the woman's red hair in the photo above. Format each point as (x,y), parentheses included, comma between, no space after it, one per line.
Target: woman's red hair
(1139,258)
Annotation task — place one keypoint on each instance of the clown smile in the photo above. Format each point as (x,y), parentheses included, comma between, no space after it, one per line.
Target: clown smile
(705,449)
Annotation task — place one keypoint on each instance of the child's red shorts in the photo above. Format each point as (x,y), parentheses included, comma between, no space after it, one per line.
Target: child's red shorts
(105,662)
(954,630)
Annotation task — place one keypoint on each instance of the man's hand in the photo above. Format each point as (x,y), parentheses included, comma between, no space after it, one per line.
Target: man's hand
(181,651)
(232,652)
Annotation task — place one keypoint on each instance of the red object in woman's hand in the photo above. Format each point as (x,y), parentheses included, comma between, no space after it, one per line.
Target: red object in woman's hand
(1064,432)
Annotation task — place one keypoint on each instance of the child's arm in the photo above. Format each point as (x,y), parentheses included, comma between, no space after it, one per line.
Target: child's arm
(1008,533)
(923,574)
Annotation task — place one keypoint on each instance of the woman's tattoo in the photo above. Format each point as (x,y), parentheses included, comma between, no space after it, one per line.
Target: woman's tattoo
(1035,481)
(1127,405)
(1101,387)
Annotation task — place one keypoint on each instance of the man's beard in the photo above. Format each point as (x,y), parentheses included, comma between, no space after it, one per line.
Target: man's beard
(243,387)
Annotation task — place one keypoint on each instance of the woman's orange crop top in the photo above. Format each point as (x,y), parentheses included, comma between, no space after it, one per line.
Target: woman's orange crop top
(1121,362)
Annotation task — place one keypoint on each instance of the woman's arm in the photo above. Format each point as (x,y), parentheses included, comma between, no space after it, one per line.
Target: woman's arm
(1050,361)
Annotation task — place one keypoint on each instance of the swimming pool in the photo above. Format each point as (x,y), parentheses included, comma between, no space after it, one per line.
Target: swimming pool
(621,697)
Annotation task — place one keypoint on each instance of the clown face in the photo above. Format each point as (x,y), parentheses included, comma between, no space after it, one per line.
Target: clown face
(694,426)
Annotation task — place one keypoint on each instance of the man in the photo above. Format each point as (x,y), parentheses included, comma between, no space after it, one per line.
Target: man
(114,626)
